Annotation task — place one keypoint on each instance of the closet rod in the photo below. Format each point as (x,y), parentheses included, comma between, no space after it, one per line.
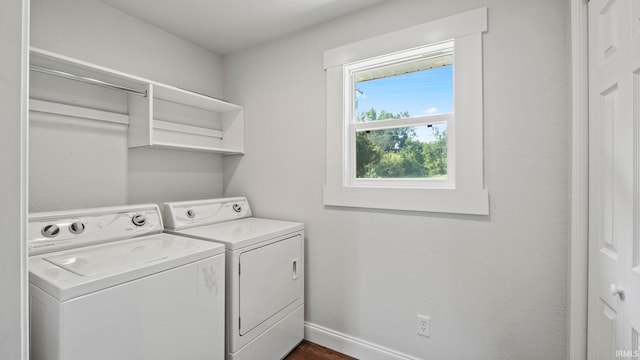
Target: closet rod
(69,76)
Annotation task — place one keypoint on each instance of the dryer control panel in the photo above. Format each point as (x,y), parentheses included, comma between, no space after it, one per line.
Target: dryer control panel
(187,214)
(59,230)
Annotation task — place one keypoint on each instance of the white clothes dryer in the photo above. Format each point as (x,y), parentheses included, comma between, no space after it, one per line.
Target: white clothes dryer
(265,273)
(107,284)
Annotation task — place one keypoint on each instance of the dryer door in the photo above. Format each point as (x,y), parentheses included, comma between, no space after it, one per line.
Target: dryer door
(269,281)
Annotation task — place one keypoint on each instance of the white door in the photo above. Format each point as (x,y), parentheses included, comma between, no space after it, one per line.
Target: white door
(614,187)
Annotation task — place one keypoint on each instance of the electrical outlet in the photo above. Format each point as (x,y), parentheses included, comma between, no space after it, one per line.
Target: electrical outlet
(424,325)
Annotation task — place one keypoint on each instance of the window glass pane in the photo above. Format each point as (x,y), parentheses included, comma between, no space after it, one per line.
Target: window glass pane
(417,88)
(406,152)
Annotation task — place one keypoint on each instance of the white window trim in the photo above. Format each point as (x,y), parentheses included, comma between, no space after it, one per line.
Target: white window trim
(469,195)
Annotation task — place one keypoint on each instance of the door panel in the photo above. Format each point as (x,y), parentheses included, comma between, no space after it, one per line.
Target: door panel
(608,111)
(606,331)
(270,279)
(614,165)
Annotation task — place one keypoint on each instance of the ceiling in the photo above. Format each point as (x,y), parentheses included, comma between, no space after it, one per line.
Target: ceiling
(225,26)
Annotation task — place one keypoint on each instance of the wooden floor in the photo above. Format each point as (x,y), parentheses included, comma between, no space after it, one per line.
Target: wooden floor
(310,351)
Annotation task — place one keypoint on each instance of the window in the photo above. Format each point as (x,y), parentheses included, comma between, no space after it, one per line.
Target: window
(400,115)
(404,119)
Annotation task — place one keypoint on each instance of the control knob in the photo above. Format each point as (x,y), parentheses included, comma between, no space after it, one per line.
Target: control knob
(51,230)
(237,207)
(76,227)
(139,220)
(191,213)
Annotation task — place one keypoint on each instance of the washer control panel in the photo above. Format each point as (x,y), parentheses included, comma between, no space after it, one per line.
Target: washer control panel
(53,231)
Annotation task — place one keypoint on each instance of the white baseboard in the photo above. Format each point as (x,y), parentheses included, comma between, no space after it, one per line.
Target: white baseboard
(350,345)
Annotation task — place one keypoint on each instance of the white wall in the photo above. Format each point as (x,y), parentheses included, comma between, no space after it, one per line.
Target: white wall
(495,286)
(83,164)
(13,93)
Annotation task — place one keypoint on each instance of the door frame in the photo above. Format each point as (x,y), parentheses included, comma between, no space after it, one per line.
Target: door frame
(579,195)
(14,97)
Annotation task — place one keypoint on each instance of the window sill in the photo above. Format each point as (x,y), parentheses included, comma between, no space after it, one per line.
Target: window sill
(453,201)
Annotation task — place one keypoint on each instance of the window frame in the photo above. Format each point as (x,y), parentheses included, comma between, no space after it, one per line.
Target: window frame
(469,195)
(352,126)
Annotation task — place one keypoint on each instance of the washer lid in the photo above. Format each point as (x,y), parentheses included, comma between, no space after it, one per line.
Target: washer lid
(244,232)
(72,273)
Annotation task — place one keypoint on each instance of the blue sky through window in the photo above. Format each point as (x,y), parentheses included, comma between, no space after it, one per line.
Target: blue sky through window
(425,92)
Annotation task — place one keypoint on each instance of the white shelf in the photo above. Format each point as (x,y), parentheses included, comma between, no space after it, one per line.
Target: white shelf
(48,107)
(145,128)
(186,129)
(181,96)
(225,151)
(57,62)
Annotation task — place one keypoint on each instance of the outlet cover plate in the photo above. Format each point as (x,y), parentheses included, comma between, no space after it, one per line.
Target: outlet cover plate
(424,325)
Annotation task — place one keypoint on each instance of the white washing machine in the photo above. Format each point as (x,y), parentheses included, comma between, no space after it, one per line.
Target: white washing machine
(265,273)
(107,284)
